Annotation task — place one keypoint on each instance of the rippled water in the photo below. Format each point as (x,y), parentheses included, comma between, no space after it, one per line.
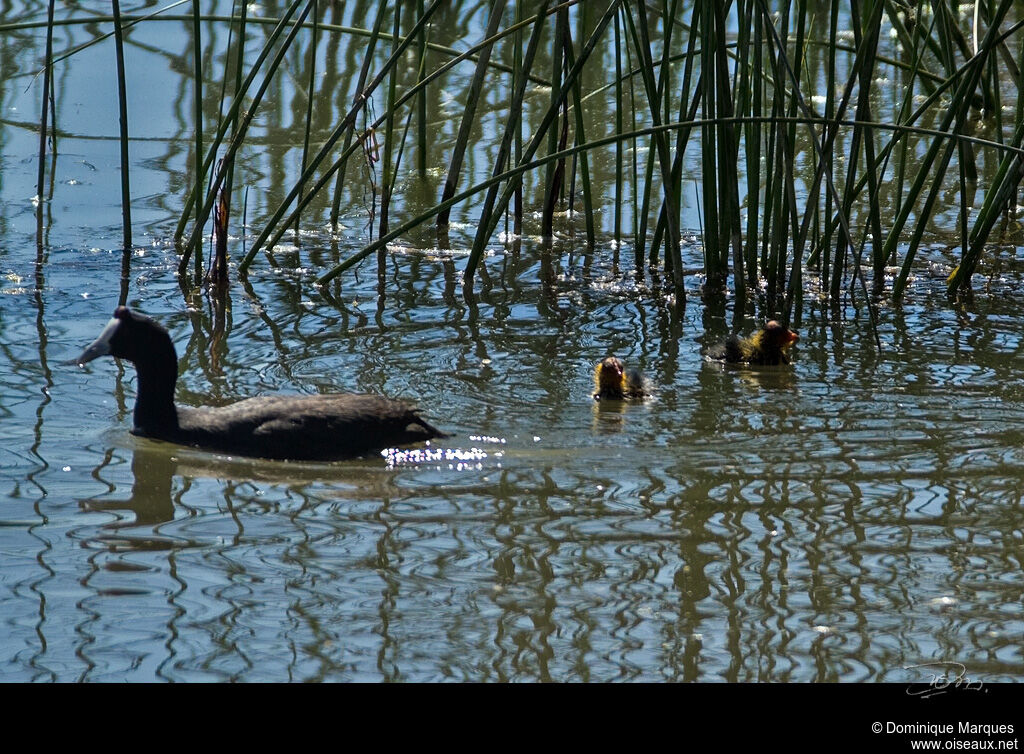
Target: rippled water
(840,520)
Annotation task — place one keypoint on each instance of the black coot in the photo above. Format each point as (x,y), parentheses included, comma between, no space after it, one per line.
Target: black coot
(314,427)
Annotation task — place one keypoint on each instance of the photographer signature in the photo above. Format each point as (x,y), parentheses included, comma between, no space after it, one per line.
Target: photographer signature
(953,676)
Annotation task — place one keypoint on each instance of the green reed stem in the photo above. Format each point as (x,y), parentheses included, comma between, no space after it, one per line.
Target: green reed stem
(44,116)
(642,44)
(954,121)
(197,90)
(489,219)
(231,120)
(346,123)
(510,130)
(421,100)
(554,170)
(580,137)
(387,182)
(311,89)
(619,107)
(467,124)
(239,132)
(122,103)
(357,101)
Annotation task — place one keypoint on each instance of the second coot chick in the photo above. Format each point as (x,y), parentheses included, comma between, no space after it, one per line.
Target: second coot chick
(299,427)
(764,348)
(613,382)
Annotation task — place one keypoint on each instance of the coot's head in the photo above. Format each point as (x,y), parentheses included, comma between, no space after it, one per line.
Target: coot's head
(608,378)
(777,336)
(128,335)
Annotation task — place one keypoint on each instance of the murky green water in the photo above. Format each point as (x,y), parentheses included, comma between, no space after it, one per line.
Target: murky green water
(841,520)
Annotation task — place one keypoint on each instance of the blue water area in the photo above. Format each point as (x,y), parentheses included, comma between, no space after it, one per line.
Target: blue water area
(851,517)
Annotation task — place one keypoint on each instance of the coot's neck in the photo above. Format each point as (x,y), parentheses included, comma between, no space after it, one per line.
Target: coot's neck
(155,415)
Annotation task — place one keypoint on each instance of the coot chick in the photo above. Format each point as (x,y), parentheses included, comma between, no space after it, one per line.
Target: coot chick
(313,427)
(613,382)
(765,348)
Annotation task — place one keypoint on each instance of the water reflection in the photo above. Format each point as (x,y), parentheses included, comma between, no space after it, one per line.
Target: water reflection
(150,503)
(610,416)
(834,520)
(839,519)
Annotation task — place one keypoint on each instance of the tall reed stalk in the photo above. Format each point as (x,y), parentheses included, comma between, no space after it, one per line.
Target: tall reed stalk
(122,106)
(771,109)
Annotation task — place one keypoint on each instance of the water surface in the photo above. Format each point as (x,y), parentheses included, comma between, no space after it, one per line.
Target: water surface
(842,519)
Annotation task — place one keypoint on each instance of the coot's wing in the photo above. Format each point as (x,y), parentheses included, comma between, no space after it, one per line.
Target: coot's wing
(315,427)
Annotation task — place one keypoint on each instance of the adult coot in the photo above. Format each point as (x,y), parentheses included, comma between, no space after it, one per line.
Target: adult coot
(764,348)
(313,427)
(613,382)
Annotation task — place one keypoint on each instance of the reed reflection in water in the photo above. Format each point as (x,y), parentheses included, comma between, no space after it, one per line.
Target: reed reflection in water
(839,519)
